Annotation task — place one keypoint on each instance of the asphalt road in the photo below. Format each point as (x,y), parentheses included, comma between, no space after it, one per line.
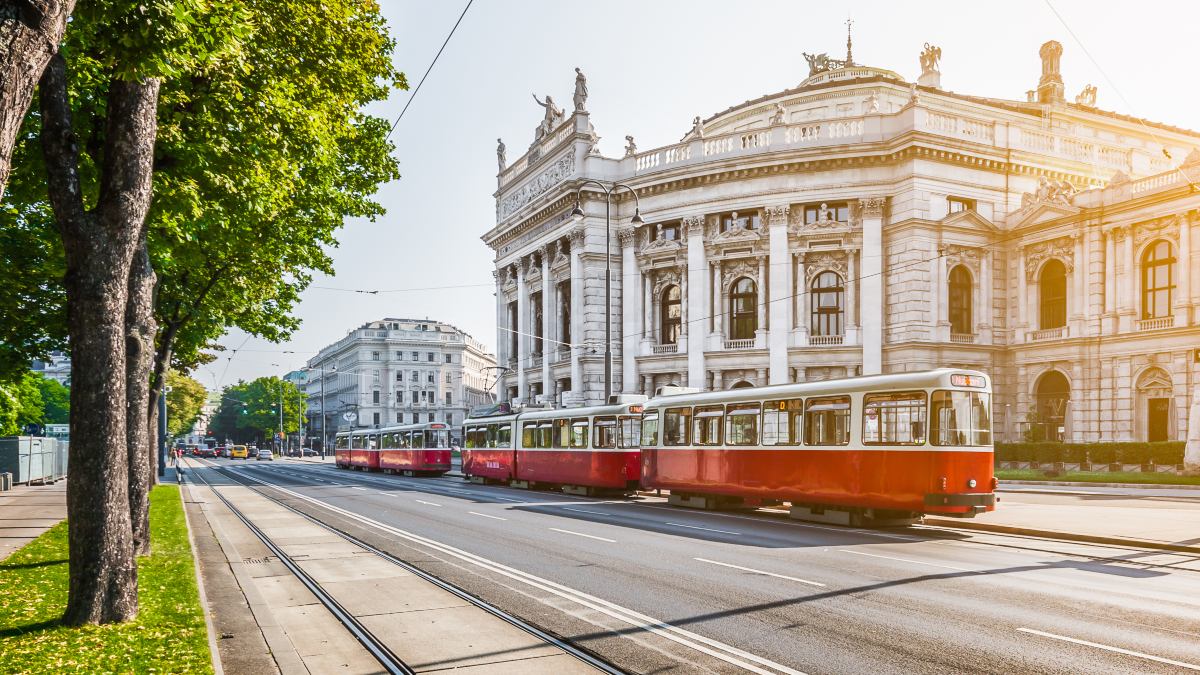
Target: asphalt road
(653,588)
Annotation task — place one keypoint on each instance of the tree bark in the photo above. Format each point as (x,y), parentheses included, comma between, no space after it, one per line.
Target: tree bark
(30,31)
(139,352)
(99,247)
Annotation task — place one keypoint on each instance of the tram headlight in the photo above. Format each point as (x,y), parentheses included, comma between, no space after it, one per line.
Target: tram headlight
(971,483)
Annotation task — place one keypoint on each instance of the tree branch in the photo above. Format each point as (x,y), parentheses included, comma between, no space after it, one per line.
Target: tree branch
(59,146)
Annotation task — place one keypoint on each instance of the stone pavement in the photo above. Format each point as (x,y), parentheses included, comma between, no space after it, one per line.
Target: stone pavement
(1144,519)
(27,511)
(268,621)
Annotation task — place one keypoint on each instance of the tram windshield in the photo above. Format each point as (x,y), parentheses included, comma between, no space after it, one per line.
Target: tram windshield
(437,438)
(961,418)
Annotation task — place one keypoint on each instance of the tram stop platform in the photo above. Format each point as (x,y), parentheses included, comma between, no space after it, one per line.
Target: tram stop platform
(263,619)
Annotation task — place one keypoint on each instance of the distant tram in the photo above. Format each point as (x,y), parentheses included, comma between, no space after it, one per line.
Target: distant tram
(411,449)
(874,448)
(581,450)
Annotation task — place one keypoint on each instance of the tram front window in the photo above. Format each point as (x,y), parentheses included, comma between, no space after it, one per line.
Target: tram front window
(961,418)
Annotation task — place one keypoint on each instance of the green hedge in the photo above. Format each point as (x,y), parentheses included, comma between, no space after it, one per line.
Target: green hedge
(1163,452)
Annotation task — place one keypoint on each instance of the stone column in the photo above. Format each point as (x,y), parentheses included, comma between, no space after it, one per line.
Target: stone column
(1022,296)
(577,337)
(1110,282)
(649,329)
(1130,282)
(764,297)
(781,285)
(522,328)
(631,308)
(1183,305)
(501,334)
(711,297)
(852,309)
(697,271)
(548,348)
(941,292)
(804,297)
(871,284)
(984,320)
(720,304)
(686,331)
(1079,288)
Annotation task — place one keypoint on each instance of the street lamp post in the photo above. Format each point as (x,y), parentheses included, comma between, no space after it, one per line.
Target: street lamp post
(637,220)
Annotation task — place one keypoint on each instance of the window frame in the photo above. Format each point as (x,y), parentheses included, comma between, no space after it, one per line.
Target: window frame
(751,409)
(684,415)
(605,422)
(894,395)
(1052,309)
(1150,264)
(960,300)
(793,412)
(650,419)
(579,439)
(670,327)
(935,426)
(743,323)
(708,412)
(848,415)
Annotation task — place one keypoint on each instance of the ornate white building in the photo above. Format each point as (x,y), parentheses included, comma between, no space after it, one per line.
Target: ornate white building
(395,371)
(860,223)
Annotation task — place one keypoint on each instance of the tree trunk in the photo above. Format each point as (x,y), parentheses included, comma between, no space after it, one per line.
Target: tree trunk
(139,352)
(30,31)
(99,247)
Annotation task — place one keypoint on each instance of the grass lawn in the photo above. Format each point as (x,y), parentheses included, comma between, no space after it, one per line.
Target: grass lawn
(1099,477)
(169,635)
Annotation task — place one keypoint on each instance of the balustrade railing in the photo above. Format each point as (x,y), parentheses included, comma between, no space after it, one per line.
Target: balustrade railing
(664,349)
(1047,334)
(963,338)
(826,340)
(739,344)
(1156,324)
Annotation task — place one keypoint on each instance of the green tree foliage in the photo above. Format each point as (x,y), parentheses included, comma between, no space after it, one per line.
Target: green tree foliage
(56,401)
(20,403)
(249,411)
(185,400)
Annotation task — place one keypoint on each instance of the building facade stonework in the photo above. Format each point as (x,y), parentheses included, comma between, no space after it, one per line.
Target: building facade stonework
(397,371)
(859,223)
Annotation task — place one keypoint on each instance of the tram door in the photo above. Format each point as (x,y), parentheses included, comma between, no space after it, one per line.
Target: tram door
(1158,419)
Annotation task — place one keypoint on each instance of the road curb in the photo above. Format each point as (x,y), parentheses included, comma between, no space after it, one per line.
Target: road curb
(1140,486)
(1067,536)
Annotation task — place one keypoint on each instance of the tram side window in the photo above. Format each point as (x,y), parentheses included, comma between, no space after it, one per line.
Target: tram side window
(504,436)
(707,425)
(545,435)
(827,421)
(781,422)
(894,419)
(741,424)
(417,441)
(630,431)
(388,441)
(343,443)
(527,433)
(579,432)
(676,423)
(356,442)
(472,437)
(961,418)
(562,433)
(605,432)
(650,430)
(373,441)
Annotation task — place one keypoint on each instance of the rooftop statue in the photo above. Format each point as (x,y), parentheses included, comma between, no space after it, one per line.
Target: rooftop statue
(581,92)
(697,130)
(817,63)
(930,57)
(554,115)
(777,117)
(1087,97)
(500,154)
(630,147)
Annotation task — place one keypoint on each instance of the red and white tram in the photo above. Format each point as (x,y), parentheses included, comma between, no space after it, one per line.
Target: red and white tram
(412,449)
(879,447)
(578,449)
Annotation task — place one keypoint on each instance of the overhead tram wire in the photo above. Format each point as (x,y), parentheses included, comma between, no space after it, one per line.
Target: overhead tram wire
(427,70)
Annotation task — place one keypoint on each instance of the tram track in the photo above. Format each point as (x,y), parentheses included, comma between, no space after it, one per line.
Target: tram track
(373,644)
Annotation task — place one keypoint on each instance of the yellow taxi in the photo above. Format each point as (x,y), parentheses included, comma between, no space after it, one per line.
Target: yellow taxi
(238,452)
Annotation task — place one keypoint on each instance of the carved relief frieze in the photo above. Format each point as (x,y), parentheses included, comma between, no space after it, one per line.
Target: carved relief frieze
(694,225)
(732,270)
(824,261)
(872,207)
(553,175)
(956,254)
(776,215)
(558,257)
(1062,248)
(665,278)
(1160,228)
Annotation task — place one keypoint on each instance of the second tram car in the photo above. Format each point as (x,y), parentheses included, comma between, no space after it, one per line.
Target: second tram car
(879,447)
(414,449)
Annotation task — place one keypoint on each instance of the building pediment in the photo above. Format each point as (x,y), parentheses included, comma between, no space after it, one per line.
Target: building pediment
(741,235)
(1042,212)
(969,219)
(661,245)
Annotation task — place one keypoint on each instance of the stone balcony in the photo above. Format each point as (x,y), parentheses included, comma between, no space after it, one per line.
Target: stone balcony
(964,338)
(1046,334)
(1155,324)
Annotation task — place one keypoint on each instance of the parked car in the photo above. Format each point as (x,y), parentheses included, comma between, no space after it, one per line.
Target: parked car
(308,452)
(238,452)
(207,452)
(266,454)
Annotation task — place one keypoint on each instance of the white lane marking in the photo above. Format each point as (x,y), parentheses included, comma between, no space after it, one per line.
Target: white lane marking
(706,529)
(597,513)
(476,513)
(909,560)
(1140,655)
(421,501)
(355,487)
(754,571)
(704,645)
(580,534)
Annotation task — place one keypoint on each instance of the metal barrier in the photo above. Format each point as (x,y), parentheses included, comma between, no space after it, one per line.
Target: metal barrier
(32,459)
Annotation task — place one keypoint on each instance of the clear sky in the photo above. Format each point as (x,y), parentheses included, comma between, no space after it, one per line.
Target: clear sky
(652,65)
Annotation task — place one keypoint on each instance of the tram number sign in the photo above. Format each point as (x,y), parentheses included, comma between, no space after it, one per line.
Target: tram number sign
(492,465)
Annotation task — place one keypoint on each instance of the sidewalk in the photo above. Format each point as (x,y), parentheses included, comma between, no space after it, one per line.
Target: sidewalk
(1147,521)
(270,622)
(27,511)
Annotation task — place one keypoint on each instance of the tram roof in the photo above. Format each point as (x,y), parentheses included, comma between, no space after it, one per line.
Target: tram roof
(422,426)
(939,377)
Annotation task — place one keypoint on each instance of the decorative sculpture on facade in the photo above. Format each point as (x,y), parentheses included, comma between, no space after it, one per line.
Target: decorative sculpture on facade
(817,63)
(823,214)
(777,117)
(581,92)
(500,154)
(871,104)
(554,115)
(930,56)
(697,131)
(1050,192)
(1087,97)
(630,147)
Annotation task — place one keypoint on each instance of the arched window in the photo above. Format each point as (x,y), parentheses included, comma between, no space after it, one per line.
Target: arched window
(1052,295)
(669,315)
(1051,397)
(961,321)
(742,384)
(828,301)
(743,310)
(1158,280)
